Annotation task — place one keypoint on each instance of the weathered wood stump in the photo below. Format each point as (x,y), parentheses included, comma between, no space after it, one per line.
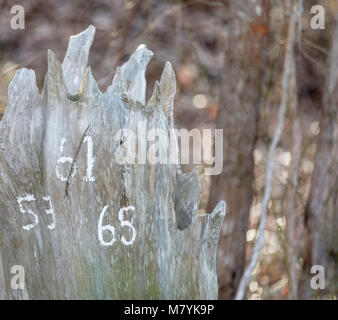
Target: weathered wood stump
(83,225)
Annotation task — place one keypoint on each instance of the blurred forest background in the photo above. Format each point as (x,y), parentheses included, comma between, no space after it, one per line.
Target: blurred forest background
(257,70)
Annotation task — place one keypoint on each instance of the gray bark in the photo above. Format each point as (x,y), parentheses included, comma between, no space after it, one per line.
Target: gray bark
(47,163)
(321,210)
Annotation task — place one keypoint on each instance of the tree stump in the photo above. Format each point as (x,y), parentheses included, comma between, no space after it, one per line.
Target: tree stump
(81,224)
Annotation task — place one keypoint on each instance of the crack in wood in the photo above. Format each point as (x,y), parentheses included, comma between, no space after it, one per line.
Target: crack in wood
(73,163)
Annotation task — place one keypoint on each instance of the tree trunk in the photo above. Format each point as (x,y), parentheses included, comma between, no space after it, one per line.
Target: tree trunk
(321,210)
(83,224)
(291,192)
(238,116)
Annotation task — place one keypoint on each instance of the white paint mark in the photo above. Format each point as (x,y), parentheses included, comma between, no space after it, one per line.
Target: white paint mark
(90,159)
(51,212)
(108,227)
(125,223)
(63,160)
(62,145)
(28,198)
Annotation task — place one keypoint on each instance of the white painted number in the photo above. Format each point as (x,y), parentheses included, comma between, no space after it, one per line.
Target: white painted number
(90,159)
(30,198)
(124,223)
(51,212)
(128,224)
(62,160)
(108,227)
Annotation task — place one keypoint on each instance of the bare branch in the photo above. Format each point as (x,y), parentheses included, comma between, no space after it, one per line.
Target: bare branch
(270,166)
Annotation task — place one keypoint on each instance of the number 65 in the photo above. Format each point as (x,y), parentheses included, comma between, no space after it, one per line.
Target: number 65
(111,229)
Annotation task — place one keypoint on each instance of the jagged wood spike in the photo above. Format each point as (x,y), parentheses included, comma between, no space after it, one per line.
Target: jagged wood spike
(76,59)
(89,90)
(154,100)
(167,88)
(133,72)
(168,91)
(216,218)
(54,84)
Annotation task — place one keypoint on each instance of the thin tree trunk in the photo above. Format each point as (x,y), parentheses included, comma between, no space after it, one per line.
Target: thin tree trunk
(291,194)
(321,209)
(288,56)
(238,116)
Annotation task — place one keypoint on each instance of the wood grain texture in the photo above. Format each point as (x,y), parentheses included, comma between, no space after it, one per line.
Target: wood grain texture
(174,253)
